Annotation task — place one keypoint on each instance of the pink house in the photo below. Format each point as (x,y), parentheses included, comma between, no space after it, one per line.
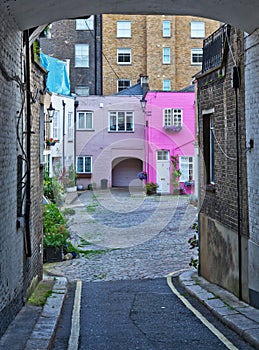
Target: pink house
(169,131)
(109,141)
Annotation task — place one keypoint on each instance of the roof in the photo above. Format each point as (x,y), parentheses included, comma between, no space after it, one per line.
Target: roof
(133,90)
(189,88)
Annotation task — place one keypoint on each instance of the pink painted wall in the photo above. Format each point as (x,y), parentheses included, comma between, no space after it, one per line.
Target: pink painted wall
(108,148)
(178,143)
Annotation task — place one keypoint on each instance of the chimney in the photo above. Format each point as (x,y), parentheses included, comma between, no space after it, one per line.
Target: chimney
(144,83)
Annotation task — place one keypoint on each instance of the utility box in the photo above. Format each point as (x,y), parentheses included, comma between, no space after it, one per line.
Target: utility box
(104,184)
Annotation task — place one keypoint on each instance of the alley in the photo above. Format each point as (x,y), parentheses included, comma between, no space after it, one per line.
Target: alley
(126,302)
(131,236)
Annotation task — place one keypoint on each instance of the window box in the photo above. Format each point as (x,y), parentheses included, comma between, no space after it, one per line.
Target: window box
(172,128)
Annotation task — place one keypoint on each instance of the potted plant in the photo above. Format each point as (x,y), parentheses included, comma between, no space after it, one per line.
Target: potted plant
(142,175)
(151,188)
(70,180)
(55,233)
(51,141)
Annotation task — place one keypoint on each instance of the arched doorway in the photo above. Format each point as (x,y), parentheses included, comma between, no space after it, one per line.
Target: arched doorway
(125,171)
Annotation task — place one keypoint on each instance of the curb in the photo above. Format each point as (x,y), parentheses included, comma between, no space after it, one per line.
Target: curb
(237,315)
(44,330)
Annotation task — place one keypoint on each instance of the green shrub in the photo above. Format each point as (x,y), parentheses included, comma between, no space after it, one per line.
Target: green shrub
(54,227)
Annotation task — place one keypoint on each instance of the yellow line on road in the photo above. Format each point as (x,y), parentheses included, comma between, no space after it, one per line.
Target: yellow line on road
(75,326)
(213,329)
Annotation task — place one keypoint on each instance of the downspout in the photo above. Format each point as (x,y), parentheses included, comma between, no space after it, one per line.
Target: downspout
(63,136)
(101,54)
(28,148)
(76,103)
(95,56)
(236,86)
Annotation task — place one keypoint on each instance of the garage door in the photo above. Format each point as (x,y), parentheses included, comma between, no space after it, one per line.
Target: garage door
(125,172)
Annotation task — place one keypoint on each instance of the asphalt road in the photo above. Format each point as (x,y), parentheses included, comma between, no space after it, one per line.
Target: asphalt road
(138,314)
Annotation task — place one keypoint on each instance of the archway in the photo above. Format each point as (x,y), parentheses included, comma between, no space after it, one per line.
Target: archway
(243,14)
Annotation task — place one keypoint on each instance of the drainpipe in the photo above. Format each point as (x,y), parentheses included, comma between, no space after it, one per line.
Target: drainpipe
(236,86)
(63,136)
(28,148)
(75,107)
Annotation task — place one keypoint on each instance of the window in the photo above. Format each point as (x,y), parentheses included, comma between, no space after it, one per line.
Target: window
(124,56)
(81,55)
(166,85)
(196,56)
(173,117)
(56,125)
(166,55)
(70,126)
(82,90)
(85,120)
(162,155)
(123,29)
(166,28)
(121,121)
(84,164)
(186,167)
(123,84)
(85,23)
(208,148)
(197,29)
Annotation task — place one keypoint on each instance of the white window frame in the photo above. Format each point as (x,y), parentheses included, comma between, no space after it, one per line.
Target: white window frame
(70,127)
(162,155)
(123,29)
(166,55)
(82,55)
(166,85)
(197,29)
(56,125)
(186,168)
(196,52)
(212,151)
(126,52)
(85,23)
(172,117)
(84,158)
(82,90)
(86,123)
(166,29)
(120,88)
(114,121)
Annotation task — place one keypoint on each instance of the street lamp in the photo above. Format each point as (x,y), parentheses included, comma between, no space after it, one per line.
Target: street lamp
(51,111)
(143,103)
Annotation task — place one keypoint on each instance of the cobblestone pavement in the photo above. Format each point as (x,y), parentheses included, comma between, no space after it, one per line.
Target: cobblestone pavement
(131,236)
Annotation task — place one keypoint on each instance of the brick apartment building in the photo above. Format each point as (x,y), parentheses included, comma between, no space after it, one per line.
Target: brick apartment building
(107,53)
(79,42)
(166,48)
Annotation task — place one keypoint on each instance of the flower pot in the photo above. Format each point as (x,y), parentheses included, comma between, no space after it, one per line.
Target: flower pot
(52,254)
(71,189)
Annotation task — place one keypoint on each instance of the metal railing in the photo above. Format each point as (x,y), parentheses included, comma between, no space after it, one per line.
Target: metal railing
(214,48)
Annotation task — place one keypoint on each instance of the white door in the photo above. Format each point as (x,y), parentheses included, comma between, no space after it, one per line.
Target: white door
(163,171)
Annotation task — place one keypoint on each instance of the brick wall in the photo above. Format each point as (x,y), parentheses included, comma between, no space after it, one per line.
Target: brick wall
(111,70)
(61,45)
(219,203)
(252,130)
(16,272)
(147,44)
(11,241)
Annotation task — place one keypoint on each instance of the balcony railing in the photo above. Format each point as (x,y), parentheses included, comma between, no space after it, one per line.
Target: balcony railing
(214,48)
